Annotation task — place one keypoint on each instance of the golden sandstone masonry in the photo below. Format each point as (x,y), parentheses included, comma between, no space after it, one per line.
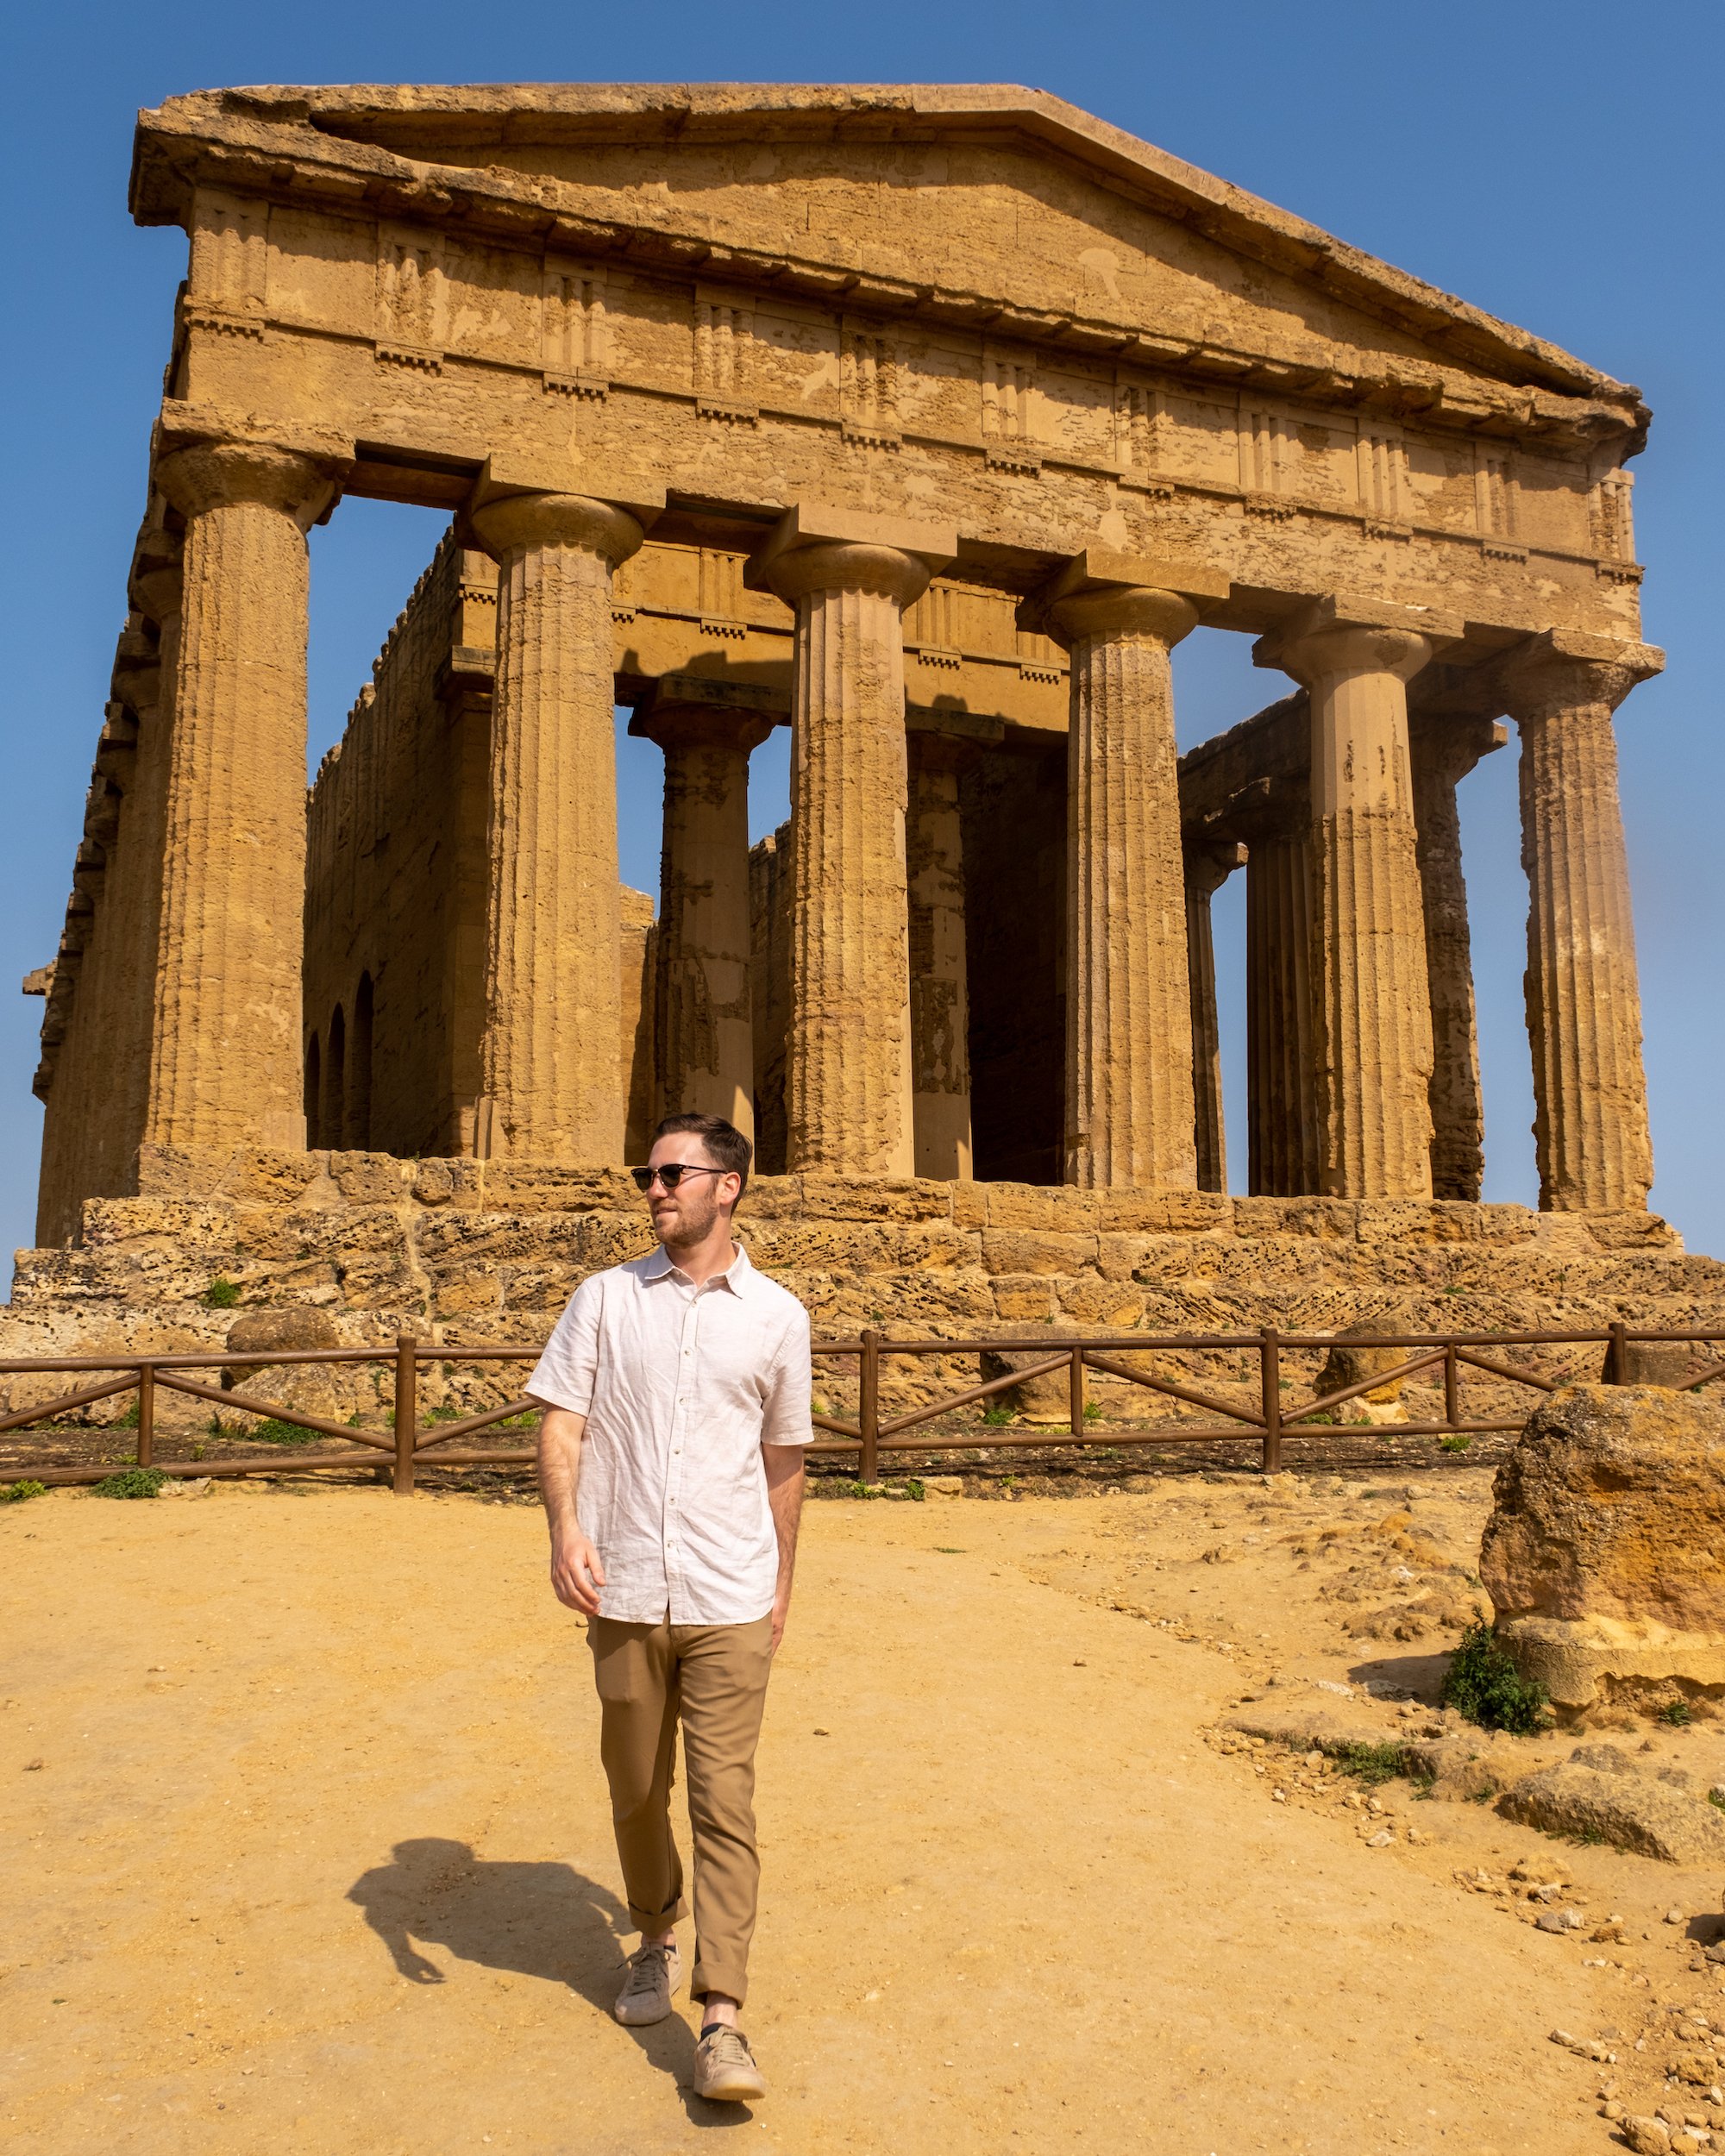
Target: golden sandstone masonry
(926,421)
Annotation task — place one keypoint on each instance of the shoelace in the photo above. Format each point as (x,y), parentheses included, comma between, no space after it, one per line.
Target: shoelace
(647,1965)
(729,2046)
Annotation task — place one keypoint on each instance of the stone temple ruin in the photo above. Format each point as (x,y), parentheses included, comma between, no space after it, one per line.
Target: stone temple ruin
(926,421)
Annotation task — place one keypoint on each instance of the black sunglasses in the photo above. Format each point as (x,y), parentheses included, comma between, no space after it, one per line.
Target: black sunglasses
(672,1174)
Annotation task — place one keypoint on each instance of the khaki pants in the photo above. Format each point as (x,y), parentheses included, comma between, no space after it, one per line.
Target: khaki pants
(713,1677)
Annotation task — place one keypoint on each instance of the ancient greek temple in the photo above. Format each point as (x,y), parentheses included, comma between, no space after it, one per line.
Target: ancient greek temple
(925,422)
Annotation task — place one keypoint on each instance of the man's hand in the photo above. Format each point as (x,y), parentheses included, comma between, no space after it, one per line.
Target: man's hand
(782,1609)
(785,1496)
(576,1573)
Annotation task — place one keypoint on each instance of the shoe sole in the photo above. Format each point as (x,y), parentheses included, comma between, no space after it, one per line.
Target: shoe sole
(738,2091)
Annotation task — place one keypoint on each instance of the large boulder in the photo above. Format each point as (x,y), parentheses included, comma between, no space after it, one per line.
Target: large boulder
(1604,1556)
(1350,1365)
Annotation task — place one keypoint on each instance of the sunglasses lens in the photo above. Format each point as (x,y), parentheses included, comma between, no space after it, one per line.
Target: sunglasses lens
(643,1178)
(671,1175)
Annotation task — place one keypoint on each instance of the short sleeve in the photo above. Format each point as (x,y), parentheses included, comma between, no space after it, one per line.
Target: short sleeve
(564,1375)
(785,1413)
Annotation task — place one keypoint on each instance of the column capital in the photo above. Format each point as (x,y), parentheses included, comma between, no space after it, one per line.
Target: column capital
(815,548)
(1101,591)
(509,524)
(1561,669)
(226,474)
(1343,633)
(688,710)
(1210,866)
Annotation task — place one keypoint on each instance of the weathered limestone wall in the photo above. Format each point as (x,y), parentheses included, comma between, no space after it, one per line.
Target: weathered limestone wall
(397,870)
(470,1250)
(769,990)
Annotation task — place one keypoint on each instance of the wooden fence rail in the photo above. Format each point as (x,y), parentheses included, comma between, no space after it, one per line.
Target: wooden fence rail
(1266,1425)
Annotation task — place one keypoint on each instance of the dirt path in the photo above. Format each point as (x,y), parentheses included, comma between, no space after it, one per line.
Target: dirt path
(309,1851)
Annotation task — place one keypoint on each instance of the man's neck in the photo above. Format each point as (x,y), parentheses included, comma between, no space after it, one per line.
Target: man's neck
(715,1253)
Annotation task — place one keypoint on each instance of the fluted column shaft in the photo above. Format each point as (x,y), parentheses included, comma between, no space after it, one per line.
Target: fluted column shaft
(553,1013)
(1282,1115)
(1374,1024)
(848,1060)
(1206,869)
(1583,996)
(705,1029)
(1442,755)
(940,1009)
(1129,1095)
(225,1052)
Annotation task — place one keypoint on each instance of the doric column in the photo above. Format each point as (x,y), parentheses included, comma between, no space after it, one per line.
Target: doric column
(1281,1112)
(225,1048)
(1444,749)
(1207,868)
(1373,1013)
(549,1061)
(704,1028)
(848,1079)
(1584,999)
(1129,1112)
(940,1003)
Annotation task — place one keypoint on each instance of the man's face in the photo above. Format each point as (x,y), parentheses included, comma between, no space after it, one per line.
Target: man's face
(686,1215)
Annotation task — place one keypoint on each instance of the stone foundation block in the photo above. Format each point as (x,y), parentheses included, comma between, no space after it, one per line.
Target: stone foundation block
(1011,1250)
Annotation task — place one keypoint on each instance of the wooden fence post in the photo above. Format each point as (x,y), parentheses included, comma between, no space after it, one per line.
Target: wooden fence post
(868,1416)
(146,1413)
(1269,1368)
(1074,1385)
(406,1412)
(1617,1357)
(1452,1385)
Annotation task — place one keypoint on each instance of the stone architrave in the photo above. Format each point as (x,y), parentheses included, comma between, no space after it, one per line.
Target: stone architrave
(554,921)
(705,1028)
(849,1083)
(1207,868)
(1371,999)
(940,1051)
(1604,1556)
(1129,1093)
(1583,996)
(1443,750)
(225,1047)
(1281,1063)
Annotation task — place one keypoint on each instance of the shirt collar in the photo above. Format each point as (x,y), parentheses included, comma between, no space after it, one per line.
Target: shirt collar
(659,1266)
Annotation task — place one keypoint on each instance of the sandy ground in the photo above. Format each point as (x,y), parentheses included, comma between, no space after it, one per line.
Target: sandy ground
(308,1849)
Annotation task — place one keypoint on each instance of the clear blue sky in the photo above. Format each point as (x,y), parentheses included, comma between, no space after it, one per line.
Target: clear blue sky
(1559,165)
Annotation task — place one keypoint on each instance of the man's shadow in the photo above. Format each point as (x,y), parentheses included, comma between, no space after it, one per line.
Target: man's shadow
(544,1920)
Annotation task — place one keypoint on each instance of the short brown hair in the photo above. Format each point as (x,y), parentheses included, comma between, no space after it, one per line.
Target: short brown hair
(725,1144)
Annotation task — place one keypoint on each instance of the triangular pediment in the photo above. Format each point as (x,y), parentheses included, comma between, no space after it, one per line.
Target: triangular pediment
(1003,208)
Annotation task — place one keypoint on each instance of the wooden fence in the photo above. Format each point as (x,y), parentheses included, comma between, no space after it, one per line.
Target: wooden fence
(1266,1425)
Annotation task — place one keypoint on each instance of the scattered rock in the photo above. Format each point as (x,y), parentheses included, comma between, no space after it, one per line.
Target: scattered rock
(187,1485)
(1349,1365)
(1599,1793)
(943,1485)
(1604,1556)
(1381,1840)
(296,1327)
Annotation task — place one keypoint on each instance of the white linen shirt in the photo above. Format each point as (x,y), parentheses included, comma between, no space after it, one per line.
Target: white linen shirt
(681,1386)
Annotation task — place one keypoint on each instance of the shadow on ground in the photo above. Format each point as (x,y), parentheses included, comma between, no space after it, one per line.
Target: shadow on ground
(543,1920)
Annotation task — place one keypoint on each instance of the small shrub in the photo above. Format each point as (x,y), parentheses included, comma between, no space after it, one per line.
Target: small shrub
(1717,1796)
(914,1489)
(1482,1684)
(1677,1713)
(129,1419)
(131,1482)
(1371,1764)
(996,1417)
(1455,1442)
(21,1492)
(1093,1411)
(221,1294)
(272,1430)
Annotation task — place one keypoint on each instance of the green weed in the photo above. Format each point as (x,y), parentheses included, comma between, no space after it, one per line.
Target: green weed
(915,1490)
(272,1430)
(1484,1685)
(221,1294)
(132,1481)
(1677,1713)
(1371,1764)
(995,1416)
(21,1492)
(1093,1411)
(1455,1442)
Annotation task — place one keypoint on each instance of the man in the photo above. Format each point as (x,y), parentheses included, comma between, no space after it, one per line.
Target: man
(676,1399)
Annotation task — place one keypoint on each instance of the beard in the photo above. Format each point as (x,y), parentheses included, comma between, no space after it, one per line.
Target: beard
(696,1215)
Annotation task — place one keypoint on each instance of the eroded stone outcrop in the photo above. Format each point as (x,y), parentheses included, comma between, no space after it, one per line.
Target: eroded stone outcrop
(1605,1555)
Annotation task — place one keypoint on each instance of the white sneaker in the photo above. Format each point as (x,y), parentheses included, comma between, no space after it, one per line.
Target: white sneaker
(653,1973)
(725,2071)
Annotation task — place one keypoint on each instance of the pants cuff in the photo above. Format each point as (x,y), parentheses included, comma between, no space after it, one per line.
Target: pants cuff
(710,1974)
(660,1921)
